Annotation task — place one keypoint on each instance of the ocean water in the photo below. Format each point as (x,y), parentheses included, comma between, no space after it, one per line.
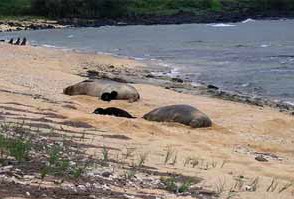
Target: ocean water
(250,57)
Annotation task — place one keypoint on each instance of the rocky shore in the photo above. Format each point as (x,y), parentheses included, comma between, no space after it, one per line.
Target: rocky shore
(148,76)
(36,24)
(179,18)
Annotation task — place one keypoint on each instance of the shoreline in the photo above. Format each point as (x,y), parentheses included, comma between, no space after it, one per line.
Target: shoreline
(153,75)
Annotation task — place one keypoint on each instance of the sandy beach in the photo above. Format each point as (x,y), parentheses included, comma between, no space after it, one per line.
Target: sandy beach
(31,83)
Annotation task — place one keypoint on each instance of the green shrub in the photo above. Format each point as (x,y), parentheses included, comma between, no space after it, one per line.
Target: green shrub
(14,147)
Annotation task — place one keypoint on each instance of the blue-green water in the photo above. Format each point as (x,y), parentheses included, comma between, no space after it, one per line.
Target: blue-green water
(256,57)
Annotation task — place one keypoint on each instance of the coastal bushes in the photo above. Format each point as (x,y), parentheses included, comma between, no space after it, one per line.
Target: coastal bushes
(14,7)
(130,8)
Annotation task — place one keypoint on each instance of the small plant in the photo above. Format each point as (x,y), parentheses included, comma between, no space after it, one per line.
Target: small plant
(142,158)
(214,164)
(130,173)
(184,187)
(254,184)
(105,154)
(15,147)
(129,152)
(273,186)
(223,163)
(286,186)
(220,186)
(175,160)
(168,155)
(187,161)
(171,184)
(61,166)
(194,162)
(239,183)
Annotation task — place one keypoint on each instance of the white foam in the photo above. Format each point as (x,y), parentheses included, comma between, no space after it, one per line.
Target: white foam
(290,103)
(221,25)
(70,36)
(264,46)
(248,20)
(48,46)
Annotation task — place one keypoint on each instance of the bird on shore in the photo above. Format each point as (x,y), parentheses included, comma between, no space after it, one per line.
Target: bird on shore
(17,41)
(11,41)
(24,42)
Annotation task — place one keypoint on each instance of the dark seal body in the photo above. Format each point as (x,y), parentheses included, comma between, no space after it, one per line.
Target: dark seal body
(113,112)
(184,114)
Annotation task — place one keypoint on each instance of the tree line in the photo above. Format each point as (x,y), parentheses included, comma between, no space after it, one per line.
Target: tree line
(126,8)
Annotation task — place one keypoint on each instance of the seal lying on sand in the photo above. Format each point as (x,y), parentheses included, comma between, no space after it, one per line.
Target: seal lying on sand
(183,114)
(113,111)
(105,89)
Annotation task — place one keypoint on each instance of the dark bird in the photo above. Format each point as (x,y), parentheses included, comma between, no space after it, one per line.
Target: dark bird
(11,41)
(113,112)
(24,42)
(17,41)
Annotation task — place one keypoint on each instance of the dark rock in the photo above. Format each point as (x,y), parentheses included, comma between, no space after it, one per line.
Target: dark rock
(150,76)
(106,174)
(260,158)
(175,79)
(210,86)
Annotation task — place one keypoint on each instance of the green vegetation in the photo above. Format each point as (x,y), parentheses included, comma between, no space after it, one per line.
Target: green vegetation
(131,8)
(176,186)
(61,166)
(14,147)
(14,7)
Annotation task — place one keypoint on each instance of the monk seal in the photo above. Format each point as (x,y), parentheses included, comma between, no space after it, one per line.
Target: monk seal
(113,112)
(184,114)
(106,89)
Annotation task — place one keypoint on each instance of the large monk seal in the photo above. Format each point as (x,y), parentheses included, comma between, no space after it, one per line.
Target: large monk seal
(107,88)
(113,112)
(183,114)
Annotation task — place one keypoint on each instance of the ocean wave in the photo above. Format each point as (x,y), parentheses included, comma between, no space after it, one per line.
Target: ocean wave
(221,25)
(248,20)
(49,46)
(265,45)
